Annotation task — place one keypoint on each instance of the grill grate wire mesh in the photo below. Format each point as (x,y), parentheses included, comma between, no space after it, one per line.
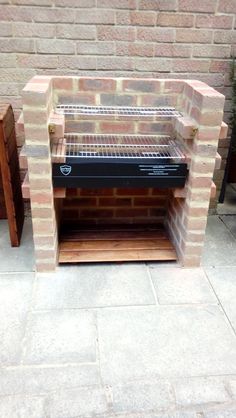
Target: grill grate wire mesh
(74,109)
(114,146)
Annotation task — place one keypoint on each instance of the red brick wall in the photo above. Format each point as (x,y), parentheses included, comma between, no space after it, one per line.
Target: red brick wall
(167,38)
(115,206)
(138,38)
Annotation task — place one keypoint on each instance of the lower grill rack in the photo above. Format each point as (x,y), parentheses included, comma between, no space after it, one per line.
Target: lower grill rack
(118,161)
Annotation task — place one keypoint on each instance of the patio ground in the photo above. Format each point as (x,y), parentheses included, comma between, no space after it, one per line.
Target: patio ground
(134,340)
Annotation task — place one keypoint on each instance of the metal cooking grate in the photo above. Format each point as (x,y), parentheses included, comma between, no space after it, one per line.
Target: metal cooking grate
(73,109)
(111,146)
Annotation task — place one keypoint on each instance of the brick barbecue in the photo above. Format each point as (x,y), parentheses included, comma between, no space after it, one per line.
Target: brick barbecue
(193,128)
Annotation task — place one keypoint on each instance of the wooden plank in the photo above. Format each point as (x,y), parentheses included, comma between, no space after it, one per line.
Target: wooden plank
(112,235)
(115,245)
(108,256)
(72,227)
(11,175)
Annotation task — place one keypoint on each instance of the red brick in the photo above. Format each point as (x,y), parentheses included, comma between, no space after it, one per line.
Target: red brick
(81,201)
(40,183)
(75,3)
(112,201)
(207,118)
(55,46)
(192,65)
(95,16)
(16,45)
(148,201)
(227,6)
(118,100)
(132,192)
(208,99)
(70,214)
(135,49)
(125,17)
(203,6)
(157,212)
(131,212)
(31,2)
(36,14)
(63,83)
(96,213)
(172,50)
(156,64)
(122,4)
(219,66)
(77,62)
(41,197)
(215,51)
(80,126)
(224,37)
(175,86)
(152,128)
(160,192)
(203,166)
(96,192)
(194,36)
(79,98)
(155,34)
(34,30)
(71,192)
(223,130)
(158,5)
(143,86)
(6,29)
(65,31)
(115,63)
(39,212)
(95,48)
(97,84)
(175,20)
(37,61)
(115,33)
(116,127)
(215,22)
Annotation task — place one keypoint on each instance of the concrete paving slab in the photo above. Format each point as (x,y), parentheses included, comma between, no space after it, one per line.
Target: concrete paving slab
(201,390)
(146,343)
(230,223)
(20,258)
(15,298)
(178,286)
(94,286)
(82,402)
(42,380)
(223,280)
(163,414)
(222,413)
(60,337)
(142,396)
(22,407)
(229,205)
(220,245)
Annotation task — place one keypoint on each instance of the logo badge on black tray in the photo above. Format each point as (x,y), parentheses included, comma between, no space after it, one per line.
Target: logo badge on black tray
(65,170)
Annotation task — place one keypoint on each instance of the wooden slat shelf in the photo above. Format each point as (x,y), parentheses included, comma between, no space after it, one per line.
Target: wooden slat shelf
(114,244)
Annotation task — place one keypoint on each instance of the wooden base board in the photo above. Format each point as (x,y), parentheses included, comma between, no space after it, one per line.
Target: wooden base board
(115,243)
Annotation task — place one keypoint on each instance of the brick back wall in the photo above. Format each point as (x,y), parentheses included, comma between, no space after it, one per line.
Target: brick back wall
(146,38)
(135,38)
(115,206)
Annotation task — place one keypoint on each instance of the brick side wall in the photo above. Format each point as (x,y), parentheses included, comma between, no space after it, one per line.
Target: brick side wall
(138,38)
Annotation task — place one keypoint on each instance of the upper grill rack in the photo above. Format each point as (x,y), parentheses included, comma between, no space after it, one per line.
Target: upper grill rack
(74,109)
(113,146)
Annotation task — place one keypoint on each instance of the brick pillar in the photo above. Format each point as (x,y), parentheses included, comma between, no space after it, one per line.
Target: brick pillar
(188,216)
(37,104)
